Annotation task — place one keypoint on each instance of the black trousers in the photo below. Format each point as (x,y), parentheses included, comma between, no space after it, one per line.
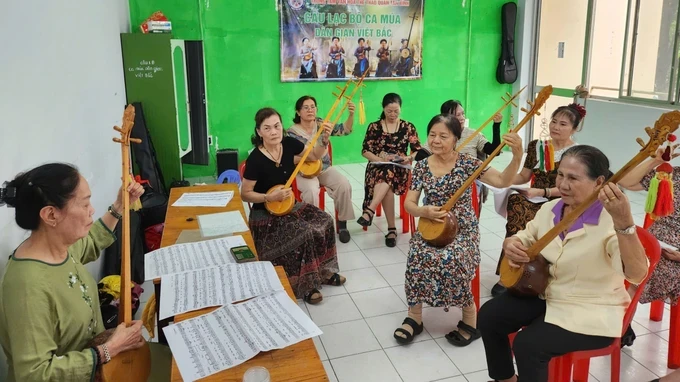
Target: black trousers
(534,346)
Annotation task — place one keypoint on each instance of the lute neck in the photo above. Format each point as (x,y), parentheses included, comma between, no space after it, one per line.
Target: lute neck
(125,308)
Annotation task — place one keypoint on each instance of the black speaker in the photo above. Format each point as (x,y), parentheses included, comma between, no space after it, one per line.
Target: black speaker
(227,159)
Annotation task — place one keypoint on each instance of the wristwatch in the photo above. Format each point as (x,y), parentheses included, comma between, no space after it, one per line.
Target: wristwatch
(626,231)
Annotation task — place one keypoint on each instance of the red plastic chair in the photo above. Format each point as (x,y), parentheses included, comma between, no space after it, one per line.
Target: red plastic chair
(580,360)
(656,312)
(241,171)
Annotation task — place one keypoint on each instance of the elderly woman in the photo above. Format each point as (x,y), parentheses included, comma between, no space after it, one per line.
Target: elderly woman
(49,303)
(303,241)
(387,141)
(440,277)
(584,304)
(339,189)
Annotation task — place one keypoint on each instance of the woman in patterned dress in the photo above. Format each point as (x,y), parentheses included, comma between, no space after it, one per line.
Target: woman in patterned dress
(440,277)
(387,140)
(303,241)
(563,124)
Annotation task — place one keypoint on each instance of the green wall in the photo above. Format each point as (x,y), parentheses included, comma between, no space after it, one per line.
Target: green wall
(241,45)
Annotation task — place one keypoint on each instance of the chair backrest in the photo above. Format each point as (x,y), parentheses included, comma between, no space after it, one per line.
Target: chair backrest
(241,171)
(230,176)
(653,252)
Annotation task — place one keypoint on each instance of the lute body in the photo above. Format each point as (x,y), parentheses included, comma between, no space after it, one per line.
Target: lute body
(311,169)
(531,279)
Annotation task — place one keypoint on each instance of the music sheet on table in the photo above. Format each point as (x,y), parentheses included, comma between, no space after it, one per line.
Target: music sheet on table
(233,334)
(217,286)
(190,256)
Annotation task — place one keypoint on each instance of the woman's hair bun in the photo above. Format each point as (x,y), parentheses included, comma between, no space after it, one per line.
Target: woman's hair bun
(580,109)
(8,194)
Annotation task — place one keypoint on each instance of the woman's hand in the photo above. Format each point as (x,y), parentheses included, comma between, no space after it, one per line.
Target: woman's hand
(617,204)
(433,213)
(351,107)
(280,195)
(515,142)
(134,189)
(327,130)
(125,338)
(498,118)
(670,254)
(533,192)
(515,251)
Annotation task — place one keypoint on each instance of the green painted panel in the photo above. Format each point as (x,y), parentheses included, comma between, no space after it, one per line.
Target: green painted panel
(148,79)
(181,96)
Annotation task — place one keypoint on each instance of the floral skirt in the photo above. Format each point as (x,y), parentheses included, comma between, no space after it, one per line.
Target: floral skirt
(303,242)
(664,283)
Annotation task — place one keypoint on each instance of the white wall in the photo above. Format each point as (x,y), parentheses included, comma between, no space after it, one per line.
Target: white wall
(613,127)
(61,92)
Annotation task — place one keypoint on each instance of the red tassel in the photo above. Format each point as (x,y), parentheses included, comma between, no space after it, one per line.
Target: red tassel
(547,158)
(648,222)
(664,201)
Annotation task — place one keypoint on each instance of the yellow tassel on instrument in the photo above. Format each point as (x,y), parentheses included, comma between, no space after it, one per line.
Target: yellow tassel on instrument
(362,109)
(149,316)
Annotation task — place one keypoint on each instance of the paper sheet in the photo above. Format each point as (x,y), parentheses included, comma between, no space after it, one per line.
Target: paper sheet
(217,286)
(191,256)
(204,199)
(501,195)
(392,163)
(667,246)
(222,223)
(192,236)
(233,334)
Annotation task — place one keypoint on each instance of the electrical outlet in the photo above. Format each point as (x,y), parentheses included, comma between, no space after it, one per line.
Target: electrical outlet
(210,140)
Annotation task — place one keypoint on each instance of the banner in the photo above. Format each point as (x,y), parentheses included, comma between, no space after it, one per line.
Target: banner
(327,40)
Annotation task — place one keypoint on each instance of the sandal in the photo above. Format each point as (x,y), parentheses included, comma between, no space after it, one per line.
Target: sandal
(391,241)
(417,329)
(336,280)
(310,299)
(362,221)
(457,339)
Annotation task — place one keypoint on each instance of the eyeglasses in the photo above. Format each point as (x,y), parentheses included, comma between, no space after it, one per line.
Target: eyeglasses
(308,108)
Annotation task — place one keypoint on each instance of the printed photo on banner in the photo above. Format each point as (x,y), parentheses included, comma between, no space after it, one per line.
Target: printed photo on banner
(332,40)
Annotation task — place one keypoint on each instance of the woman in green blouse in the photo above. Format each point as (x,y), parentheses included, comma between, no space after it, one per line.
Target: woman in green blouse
(49,303)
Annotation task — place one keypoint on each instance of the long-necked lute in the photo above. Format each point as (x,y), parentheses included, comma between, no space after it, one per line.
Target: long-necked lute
(441,234)
(531,279)
(131,365)
(280,208)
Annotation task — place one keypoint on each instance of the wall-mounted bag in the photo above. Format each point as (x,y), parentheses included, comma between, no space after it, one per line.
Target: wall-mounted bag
(506,72)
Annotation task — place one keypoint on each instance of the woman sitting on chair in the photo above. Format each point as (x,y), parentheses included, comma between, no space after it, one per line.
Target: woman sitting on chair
(584,304)
(49,302)
(303,241)
(387,141)
(339,189)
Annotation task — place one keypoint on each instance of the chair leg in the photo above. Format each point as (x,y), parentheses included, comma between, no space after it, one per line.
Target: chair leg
(337,222)
(404,215)
(674,338)
(322,199)
(581,370)
(476,288)
(378,211)
(412,222)
(656,310)
(616,365)
(563,368)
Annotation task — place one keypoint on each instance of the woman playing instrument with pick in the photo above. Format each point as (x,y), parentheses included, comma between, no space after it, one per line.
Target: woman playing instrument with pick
(387,140)
(584,303)
(440,277)
(302,241)
(339,189)
(564,122)
(49,302)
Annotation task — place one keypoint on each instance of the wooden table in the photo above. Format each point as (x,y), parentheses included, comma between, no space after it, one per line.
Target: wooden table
(299,362)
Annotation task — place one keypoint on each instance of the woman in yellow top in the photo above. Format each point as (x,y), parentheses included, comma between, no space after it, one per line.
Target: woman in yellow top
(49,303)
(584,304)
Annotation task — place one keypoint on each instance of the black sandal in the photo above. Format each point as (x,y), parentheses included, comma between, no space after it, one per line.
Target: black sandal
(391,241)
(417,329)
(362,221)
(308,297)
(335,280)
(457,339)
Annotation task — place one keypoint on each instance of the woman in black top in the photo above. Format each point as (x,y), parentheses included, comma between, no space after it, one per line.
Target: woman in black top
(303,241)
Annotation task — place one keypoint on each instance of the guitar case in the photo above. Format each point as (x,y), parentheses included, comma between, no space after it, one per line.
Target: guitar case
(506,72)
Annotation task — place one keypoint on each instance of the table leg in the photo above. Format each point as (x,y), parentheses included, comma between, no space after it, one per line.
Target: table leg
(160,324)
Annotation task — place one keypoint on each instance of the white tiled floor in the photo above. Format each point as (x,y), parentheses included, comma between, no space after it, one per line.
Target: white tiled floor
(358,319)
(358,322)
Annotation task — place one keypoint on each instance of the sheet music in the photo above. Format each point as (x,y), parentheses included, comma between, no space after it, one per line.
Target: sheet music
(392,163)
(222,223)
(667,246)
(204,199)
(191,256)
(187,291)
(233,334)
(501,196)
